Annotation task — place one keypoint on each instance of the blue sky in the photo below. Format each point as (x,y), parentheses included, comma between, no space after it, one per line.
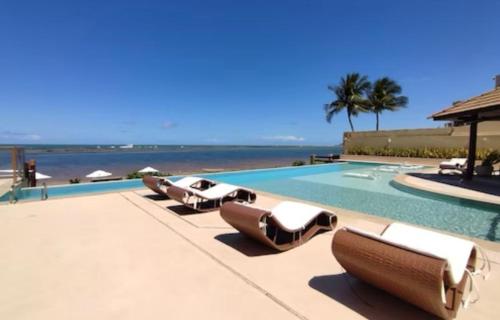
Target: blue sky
(230,72)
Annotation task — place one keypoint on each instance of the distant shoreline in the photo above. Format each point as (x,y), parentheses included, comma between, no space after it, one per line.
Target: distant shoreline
(65,163)
(84,148)
(182,172)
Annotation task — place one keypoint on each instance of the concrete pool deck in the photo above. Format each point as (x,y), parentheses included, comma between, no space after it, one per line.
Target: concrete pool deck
(434,183)
(481,189)
(127,255)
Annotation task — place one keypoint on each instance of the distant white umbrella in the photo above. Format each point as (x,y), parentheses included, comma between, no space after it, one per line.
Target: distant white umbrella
(148,170)
(41,176)
(99,174)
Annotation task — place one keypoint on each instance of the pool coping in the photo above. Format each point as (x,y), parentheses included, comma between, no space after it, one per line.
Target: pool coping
(445,189)
(401,179)
(200,174)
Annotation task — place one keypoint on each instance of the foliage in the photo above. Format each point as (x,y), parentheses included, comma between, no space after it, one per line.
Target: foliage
(74,180)
(491,158)
(385,96)
(422,152)
(298,163)
(139,175)
(350,95)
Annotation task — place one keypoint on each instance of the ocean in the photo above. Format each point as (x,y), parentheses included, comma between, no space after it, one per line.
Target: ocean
(63,162)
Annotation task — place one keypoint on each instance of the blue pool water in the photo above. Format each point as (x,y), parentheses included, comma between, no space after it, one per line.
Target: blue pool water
(327,184)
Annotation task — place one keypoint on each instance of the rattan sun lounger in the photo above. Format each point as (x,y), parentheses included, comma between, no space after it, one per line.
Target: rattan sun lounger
(286,226)
(157,184)
(211,198)
(425,268)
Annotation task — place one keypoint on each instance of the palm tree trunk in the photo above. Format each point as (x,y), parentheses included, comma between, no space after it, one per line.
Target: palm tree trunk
(350,121)
(376,113)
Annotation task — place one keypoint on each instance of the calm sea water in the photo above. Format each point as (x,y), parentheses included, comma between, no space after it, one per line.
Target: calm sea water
(66,161)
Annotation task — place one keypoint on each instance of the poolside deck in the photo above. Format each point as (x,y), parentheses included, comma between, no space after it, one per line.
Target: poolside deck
(5,184)
(482,189)
(128,256)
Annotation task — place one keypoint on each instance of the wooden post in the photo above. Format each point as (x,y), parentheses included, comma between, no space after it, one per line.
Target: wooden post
(471,156)
(312,159)
(32,165)
(13,162)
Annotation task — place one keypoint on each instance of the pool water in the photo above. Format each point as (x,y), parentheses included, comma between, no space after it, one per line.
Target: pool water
(76,189)
(327,184)
(381,197)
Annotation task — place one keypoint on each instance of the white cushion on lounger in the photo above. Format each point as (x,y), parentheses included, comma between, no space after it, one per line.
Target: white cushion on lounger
(294,215)
(218,191)
(186,182)
(459,161)
(454,250)
(454,162)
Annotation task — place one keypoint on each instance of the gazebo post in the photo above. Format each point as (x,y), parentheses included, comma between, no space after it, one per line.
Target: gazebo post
(471,156)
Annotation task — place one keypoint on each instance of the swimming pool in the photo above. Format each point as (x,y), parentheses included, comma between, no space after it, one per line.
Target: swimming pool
(329,185)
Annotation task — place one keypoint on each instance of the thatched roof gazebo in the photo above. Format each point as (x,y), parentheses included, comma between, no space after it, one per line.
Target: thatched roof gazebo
(484,107)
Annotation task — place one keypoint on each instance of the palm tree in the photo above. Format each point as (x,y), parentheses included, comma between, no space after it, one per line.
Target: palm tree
(350,95)
(384,96)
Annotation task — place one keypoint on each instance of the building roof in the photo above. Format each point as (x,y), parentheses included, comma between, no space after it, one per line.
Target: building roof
(482,107)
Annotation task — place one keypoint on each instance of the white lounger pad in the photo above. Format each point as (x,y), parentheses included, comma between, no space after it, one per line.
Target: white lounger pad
(218,191)
(295,215)
(454,162)
(454,250)
(186,182)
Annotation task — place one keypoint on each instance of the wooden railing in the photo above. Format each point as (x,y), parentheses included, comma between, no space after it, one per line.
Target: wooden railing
(324,159)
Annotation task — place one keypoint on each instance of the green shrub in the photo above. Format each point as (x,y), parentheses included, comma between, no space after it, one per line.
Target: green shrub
(423,152)
(74,180)
(492,158)
(298,163)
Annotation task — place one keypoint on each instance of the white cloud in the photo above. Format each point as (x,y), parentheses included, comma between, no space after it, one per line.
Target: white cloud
(168,125)
(19,136)
(289,138)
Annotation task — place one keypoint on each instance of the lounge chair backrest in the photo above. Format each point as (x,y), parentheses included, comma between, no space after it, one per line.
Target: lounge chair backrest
(455,251)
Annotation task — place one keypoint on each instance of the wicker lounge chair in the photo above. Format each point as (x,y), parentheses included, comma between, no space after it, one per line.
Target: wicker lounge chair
(453,164)
(156,184)
(425,268)
(286,226)
(211,198)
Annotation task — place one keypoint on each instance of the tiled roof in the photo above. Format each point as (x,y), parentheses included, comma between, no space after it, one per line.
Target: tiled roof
(472,105)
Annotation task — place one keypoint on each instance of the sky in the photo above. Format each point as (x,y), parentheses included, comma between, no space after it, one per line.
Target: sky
(231,72)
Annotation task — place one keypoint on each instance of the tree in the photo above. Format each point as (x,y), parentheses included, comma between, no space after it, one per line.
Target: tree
(350,96)
(384,96)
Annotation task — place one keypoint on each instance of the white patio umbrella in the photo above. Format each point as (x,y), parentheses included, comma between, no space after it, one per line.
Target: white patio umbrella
(99,174)
(148,170)
(41,176)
